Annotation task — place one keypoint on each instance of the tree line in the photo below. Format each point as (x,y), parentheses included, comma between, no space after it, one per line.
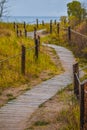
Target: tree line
(76,11)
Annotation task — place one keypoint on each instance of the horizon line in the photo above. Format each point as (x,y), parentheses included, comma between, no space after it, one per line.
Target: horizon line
(32,16)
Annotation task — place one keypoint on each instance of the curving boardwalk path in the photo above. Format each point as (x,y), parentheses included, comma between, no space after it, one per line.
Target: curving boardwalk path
(14,114)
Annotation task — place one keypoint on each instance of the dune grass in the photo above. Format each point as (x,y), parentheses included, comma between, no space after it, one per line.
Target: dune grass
(10,70)
(55,38)
(69,117)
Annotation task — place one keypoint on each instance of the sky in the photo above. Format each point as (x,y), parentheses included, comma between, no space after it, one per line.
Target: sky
(37,7)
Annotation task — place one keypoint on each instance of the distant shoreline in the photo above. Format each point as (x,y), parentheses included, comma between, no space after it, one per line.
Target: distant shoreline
(29,19)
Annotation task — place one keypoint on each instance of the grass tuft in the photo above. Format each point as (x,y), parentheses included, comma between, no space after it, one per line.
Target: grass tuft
(10,97)
(41,123)
(70,118)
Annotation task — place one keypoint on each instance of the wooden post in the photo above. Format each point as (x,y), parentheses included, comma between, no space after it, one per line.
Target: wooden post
(14,24)
(34,33)
(51,21)
(50,26)
(25,32)
(43,22)
(23,60)
(36,48)
(82,105)
(69,33)
(38,42)
(24,25)
(17,30)
(76,84)
(58,28)
(37,22)
(55,21)
(20,33)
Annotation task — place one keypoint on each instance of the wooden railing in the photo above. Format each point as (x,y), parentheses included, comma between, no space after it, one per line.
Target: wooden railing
(80,90)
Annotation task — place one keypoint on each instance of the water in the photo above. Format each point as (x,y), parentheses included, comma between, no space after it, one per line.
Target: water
(29,19)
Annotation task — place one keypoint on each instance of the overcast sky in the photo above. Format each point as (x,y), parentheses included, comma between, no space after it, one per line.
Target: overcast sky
(37,7)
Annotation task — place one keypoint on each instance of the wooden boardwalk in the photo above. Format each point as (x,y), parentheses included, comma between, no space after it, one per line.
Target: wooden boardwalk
(14,115)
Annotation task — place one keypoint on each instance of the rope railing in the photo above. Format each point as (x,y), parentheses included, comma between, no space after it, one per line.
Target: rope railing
(64,28)
(10,58)
(83,68)
(80,90)
(23,55)
(70,30)
(30,48)
(78,33)
(78,78)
